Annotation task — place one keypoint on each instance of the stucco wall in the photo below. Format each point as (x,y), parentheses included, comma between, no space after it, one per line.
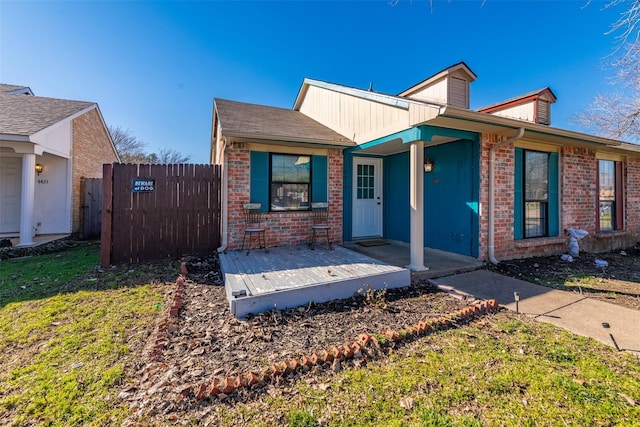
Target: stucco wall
(282,228)
(578,175)
(91,149)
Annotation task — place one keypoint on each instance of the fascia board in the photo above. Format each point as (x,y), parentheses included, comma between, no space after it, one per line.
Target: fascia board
(14,138)
(390,100)
(507,123)
(272,138)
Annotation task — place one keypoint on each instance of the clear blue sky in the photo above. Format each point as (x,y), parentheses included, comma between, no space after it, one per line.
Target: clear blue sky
(155,67)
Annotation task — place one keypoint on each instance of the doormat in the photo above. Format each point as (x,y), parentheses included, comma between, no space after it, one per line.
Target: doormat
(375,242)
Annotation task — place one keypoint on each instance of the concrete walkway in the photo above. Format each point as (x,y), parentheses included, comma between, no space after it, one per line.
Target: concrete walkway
(571,311)
(439,263)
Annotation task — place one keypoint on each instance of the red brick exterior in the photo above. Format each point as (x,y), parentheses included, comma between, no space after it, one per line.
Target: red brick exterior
(283,228)
(91,148)
(578,177)
(632,194)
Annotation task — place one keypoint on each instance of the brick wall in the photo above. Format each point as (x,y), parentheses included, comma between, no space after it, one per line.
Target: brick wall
(578,175)
(283,228)
(91,149)
(632,190)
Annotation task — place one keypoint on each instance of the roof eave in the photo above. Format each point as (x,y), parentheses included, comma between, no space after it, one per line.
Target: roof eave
(480,121)
(14,137)
(301,94)
(520,99)
(287,140)
(21,91)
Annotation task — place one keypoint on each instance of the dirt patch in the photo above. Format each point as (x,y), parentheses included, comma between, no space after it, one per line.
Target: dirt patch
(617,283)
(207,341)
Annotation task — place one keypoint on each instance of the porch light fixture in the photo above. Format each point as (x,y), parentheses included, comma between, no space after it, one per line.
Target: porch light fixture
(429,165)
(39,168)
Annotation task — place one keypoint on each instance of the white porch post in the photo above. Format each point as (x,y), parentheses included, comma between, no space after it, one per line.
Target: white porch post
(27,199)
(417,206)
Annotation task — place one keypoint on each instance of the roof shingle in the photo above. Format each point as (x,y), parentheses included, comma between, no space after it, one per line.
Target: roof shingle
(262,121)
(8,88)
(25,115)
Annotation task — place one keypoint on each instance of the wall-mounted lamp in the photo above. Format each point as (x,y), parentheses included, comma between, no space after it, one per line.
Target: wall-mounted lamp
(39,168)
(429,165)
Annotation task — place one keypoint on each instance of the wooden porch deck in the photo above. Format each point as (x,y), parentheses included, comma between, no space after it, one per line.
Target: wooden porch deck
(290,276)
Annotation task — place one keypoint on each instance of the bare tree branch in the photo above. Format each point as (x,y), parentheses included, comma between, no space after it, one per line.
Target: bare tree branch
(132,150)
(129,148)
(616,114)
(170,156)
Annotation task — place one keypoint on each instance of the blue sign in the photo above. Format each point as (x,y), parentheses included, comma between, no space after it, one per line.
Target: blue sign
(143,185)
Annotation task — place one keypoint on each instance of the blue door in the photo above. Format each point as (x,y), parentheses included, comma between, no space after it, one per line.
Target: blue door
(451,201)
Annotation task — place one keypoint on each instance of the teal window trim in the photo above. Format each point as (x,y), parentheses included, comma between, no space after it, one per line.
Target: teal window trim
(319,179)
(518,198)
(259,179)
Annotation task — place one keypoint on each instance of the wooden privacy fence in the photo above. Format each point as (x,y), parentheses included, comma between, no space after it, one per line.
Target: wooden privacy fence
(91,207)
(159,211)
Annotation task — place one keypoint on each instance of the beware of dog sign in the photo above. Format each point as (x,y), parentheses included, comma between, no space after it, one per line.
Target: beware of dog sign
(143,185)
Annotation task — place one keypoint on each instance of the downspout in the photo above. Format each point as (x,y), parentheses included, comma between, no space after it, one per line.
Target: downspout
(492,157)
(224,196)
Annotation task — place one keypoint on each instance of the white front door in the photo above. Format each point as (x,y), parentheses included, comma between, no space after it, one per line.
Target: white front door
(10,174)
(367,197)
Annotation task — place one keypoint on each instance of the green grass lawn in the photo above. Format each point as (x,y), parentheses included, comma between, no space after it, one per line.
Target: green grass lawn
(67,329)
(502,370)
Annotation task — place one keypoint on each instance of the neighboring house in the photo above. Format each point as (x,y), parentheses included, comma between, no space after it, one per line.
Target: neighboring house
(421,167)
(46,146)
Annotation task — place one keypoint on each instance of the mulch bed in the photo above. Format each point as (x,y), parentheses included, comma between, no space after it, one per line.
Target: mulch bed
(207,341)
(618,283)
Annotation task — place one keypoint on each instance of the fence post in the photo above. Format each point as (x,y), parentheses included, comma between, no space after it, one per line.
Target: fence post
(107,203)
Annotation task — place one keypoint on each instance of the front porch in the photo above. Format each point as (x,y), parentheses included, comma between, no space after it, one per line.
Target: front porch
(291,276)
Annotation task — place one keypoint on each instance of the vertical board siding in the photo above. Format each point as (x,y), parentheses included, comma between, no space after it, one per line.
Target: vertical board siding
(181,216)
(356,118)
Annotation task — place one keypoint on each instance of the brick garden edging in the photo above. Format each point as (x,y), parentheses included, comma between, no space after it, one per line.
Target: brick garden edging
(371,344)
(367,344)
(162,336)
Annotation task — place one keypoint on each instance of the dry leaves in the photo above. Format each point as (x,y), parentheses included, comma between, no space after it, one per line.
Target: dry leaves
(207,341)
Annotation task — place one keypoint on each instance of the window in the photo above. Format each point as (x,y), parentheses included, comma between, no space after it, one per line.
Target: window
(536,184)
(290,182)
(287,182)
(609,195)
(535,194)
(365,182)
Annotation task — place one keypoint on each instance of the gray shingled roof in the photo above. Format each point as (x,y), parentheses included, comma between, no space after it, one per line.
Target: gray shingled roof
(259,121)
(25,114)
(8,88)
